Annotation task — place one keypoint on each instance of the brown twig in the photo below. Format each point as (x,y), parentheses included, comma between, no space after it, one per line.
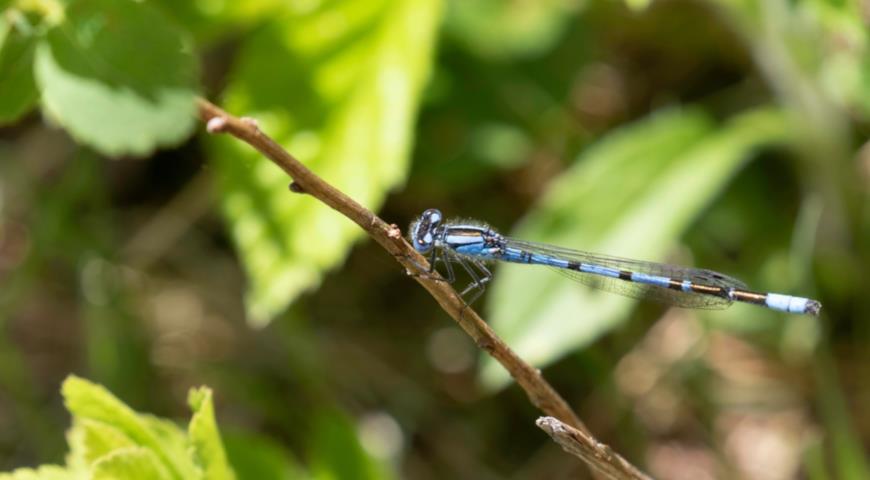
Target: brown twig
(598,455)
(541,393)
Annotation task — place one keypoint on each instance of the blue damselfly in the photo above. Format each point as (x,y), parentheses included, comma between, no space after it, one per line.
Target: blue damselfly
(470,245)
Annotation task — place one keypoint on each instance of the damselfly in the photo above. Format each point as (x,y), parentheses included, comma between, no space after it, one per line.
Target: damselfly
(470,245)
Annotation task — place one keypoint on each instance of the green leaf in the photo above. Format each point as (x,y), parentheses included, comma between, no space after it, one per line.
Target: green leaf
(336,451)
(174,441)
(207,449)
(45,472)
(255,456)
(16,73)
(339,88)
(118,77)
(632,195)
(89,440)
(88,401)
(109,440)
(131,463)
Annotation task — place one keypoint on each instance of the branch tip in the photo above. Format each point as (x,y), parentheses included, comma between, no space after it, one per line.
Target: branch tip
(594,453)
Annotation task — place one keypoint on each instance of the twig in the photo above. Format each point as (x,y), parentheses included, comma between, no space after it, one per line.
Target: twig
(540,393)
(583,446)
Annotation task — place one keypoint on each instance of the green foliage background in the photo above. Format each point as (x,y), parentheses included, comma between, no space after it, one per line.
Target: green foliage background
(151,258)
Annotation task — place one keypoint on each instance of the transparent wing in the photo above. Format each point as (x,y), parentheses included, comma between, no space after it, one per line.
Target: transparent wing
(638,290)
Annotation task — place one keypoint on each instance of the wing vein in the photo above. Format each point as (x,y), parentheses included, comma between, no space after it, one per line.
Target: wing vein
(634,289)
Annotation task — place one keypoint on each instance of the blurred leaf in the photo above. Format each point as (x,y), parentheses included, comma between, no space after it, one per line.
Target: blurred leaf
(208,451)
(45,472)
(88,401)
(89,440)
(632,195)
(118,77)
(16,72)
(336,452)
(499,29)
(174,440)
(255,456)
(338,87)
(132,463)
(109,440)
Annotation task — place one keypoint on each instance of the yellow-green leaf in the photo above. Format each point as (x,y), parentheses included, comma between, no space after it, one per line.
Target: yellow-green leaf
(88,401)
(133,463)
(89,440)
(207,449)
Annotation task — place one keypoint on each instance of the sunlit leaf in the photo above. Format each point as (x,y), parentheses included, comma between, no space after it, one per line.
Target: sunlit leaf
(207,449)
(133,463)
(175,442)
(632,195)
(17,90)
(88,401)
(118,77)
(89,440)
(108,438)
(339,88)
(91,402)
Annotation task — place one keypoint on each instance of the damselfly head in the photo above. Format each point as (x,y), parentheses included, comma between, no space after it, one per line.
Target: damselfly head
(424,230)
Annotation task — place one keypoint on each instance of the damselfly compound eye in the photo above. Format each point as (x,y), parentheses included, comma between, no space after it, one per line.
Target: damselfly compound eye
(423,231)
